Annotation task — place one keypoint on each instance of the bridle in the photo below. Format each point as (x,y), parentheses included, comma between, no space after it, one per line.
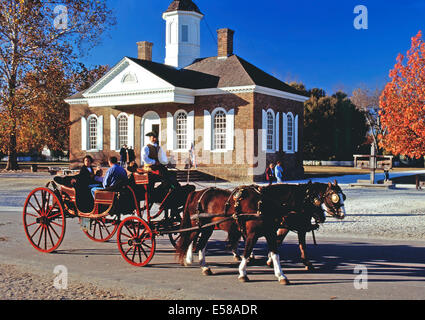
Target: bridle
(331,202)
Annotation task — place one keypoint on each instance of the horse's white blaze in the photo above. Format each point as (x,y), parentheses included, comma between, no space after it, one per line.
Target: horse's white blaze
(276,265)
(189,254)
(242,267)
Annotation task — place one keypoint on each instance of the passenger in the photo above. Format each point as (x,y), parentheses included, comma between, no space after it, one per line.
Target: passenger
(86,177)
(113,177)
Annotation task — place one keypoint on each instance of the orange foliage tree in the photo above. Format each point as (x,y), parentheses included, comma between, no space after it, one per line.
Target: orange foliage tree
(403,104)
(38,37)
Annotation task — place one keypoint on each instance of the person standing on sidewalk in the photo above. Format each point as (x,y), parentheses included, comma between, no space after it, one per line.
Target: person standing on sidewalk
(123,156)
(270,175)
(279,172)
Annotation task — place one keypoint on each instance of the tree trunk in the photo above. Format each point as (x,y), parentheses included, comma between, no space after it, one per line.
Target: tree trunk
(12,162)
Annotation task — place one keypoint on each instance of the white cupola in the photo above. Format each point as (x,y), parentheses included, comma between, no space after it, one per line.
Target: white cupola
(183,33)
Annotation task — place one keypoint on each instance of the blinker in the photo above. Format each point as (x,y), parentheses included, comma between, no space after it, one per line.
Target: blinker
(335,198)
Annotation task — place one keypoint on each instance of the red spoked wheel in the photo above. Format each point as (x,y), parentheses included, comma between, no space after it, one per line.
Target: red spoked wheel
(44,220)
(102,230)
(136,241)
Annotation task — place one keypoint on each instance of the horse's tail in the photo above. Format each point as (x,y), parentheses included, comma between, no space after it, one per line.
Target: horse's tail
(184,241)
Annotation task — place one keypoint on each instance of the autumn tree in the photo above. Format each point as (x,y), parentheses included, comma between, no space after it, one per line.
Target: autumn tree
(33,34)
(403,103)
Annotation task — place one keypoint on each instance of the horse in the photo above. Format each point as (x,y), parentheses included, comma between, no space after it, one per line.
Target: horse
(331,199)
(251,211)
(208,200)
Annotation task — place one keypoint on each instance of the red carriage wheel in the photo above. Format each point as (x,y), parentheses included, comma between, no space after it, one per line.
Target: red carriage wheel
(44,220)
(136,241)
(101,230)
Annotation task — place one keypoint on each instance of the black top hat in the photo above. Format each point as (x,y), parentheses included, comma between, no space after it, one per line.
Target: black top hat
(152,134)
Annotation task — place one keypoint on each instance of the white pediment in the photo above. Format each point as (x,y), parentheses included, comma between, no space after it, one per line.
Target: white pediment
(127,77)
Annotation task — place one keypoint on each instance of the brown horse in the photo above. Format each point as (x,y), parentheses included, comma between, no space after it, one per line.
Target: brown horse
(211,200)
(330,198)
(251,211)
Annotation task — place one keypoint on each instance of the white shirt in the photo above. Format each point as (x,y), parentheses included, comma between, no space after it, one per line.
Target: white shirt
(162,157)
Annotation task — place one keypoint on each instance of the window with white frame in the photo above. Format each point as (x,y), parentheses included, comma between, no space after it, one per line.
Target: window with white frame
(290,132)
(181,130)
(270,131)
(92,133)
(219,130)
(122,123)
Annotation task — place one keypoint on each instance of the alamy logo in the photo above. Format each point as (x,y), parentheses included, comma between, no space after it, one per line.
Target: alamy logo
(61,20)
(61,280)
(360,281)
(361,20)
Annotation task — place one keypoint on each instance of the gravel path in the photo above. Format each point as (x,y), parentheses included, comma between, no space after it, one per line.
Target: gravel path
(19,283)
(397,214)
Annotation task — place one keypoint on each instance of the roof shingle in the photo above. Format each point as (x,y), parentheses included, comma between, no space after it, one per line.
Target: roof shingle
(183,5)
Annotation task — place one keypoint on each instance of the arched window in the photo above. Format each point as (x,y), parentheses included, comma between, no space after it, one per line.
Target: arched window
(270,131)
(181,130)
(92,133)
(129,78)
(122,130)
(290,130)
(219,130)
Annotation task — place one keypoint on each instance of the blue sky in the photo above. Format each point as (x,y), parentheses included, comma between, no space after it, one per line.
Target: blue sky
(308,41)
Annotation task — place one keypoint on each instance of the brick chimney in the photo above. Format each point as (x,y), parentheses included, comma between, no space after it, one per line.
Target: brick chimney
(144,50)
(225,42)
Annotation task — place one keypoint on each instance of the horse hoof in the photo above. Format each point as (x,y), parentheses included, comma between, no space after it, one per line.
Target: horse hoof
(310,268)
(284,281)
(243,279)
(207,272)
(187,264)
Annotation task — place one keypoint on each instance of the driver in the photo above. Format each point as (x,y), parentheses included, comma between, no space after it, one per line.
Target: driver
(154,158)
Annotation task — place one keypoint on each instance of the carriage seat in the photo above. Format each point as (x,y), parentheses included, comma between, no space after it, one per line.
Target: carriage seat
(101,196)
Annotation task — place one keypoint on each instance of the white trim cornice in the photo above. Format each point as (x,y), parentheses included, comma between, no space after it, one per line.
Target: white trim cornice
(280,94)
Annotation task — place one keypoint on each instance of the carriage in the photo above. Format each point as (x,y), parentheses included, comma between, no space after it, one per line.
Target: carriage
(126,211)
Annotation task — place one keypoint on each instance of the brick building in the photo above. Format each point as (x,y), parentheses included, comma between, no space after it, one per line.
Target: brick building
(233,117)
